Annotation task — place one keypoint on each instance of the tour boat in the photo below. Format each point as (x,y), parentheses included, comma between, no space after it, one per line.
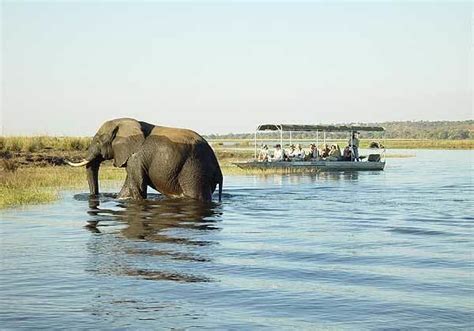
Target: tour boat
(374,161)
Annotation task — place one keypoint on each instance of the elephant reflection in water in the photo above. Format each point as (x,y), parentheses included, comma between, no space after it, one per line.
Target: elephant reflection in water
(169,230)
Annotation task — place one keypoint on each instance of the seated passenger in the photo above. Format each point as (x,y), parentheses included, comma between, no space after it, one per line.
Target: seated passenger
(334,153)
(279,154)
(324,151)
(299,152)
(263,154)
(313,151)
(346,155)
(292,151)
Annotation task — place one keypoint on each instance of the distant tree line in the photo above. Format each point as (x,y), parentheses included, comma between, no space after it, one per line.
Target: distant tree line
(439,130)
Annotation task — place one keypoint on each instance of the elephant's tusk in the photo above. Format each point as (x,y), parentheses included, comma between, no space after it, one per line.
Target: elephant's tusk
(79,164)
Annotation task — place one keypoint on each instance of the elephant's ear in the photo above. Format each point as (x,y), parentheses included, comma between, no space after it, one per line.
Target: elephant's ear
(128,140)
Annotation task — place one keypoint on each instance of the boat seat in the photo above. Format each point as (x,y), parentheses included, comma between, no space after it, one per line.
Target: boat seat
(374,158)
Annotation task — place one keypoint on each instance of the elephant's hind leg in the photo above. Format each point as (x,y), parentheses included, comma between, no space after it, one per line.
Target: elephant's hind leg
(196,189)
(135,186)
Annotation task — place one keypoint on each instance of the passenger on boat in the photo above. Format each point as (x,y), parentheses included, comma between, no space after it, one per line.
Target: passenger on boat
(263,154)
(346,155)
(292,151)
(354,144)
(299,152)
(313,151)
(324,151)
(334,153)
(279,154)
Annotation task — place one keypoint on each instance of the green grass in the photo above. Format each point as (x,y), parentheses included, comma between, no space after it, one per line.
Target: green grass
(39,143)
(34,185)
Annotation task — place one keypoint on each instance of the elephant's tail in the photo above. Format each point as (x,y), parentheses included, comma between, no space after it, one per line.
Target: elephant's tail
(221,179)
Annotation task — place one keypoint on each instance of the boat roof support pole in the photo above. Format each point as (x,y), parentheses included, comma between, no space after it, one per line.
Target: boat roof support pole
(281,137)
(352,145)
(317,145)
(290,138)
(255,140)
(383,150)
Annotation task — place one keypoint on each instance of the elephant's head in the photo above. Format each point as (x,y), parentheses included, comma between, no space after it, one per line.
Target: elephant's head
(116,139)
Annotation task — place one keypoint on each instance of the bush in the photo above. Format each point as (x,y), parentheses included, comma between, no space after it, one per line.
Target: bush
(34,144)
(78,144)
(10,165)
(14,144)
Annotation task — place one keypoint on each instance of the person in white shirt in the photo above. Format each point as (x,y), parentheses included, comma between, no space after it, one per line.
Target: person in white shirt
(292,152)
(279,154)
(300,153)
(354,144)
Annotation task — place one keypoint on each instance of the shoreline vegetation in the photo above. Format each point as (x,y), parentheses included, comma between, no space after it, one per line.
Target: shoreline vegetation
(33,169)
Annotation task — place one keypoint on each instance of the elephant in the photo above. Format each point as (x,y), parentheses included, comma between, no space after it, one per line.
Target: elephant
(175,162)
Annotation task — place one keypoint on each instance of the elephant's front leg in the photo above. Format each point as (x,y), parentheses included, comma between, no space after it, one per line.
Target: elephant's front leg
(135,186)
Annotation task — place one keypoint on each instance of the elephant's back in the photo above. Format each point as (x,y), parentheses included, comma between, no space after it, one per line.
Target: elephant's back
(178,135)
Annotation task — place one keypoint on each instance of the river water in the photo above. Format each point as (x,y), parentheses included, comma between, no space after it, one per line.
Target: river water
(368,250)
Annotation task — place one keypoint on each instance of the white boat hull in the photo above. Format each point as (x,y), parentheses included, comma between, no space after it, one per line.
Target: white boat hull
(311,166)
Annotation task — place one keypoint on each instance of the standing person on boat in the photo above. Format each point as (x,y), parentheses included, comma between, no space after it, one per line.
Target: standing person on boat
(279,154)
(263,154)
(354,144)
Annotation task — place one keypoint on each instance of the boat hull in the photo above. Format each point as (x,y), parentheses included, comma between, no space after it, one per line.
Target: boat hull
(312,166)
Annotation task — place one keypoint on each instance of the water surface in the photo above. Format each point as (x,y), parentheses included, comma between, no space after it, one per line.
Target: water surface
(366,250)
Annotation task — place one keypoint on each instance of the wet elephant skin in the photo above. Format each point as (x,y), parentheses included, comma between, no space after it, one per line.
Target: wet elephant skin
(176,162)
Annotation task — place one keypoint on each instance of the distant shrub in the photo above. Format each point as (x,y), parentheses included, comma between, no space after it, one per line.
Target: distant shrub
(78,144)
(14,144)
(34,144)
(10,165)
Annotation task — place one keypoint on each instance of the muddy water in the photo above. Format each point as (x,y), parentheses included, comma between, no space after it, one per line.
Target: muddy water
(365,250)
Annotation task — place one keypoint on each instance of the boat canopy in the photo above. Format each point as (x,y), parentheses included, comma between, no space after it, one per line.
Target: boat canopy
(329,128)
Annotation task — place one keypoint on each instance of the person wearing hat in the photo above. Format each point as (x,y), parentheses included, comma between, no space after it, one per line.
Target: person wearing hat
(263,154)
(354,144)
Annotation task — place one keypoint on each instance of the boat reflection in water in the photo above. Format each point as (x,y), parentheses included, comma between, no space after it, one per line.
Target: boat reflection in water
(155,239)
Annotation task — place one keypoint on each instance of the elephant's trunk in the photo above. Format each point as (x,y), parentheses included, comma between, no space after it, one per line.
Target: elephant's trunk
(92,168)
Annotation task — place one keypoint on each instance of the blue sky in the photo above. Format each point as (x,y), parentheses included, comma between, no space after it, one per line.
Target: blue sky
(226,67)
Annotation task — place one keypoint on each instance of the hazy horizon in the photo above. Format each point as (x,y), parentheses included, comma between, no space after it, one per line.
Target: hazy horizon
(227,67)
